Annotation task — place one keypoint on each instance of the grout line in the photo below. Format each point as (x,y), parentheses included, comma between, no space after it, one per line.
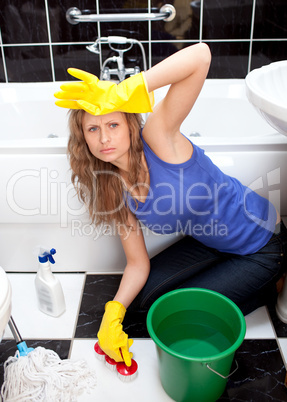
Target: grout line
(281,352)
(276,337)
(77,316)
(149,38)
(105,273)
(71,348)
(201,21)
(3,58)
(50,40)
(79,306)
(251,36)
(218,40)
(269,40)
(175,41)
(99,35)
(271,322)
(148,41)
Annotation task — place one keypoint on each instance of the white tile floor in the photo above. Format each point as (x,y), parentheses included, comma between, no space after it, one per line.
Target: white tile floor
(33,324)
(145,387)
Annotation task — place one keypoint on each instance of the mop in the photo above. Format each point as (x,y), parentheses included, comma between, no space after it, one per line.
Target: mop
(40,375)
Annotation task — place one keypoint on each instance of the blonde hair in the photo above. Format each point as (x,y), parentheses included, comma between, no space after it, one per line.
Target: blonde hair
(99,184)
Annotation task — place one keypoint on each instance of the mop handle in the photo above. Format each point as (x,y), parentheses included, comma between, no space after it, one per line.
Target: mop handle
(14,330)
(21,345)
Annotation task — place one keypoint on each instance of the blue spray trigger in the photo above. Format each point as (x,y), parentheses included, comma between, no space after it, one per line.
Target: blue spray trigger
(52,252)
(47,255)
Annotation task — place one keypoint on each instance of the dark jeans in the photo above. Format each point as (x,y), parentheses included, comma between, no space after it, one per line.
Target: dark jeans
(249,280)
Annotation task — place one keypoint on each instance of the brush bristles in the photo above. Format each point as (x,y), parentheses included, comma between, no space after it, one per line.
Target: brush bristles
(111,367)
(110,363)
(127,378)
(100,357)
(127,373)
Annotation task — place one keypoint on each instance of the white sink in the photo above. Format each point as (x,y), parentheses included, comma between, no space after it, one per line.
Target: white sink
(266,89)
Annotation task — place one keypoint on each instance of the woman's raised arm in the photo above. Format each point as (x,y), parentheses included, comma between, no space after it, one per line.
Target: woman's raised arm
(185,71)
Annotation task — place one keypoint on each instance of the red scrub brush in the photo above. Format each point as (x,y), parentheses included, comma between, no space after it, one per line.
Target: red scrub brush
(99,352)
(111,364)
(125,373)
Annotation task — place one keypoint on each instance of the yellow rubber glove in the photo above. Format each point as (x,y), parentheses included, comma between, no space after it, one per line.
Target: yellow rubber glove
(101,97)
(112,339)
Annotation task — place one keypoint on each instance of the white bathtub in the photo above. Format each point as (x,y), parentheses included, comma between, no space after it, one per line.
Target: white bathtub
(37,201)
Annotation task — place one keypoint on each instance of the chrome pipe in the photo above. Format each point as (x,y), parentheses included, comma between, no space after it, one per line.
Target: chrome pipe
(117,40)
(166,13)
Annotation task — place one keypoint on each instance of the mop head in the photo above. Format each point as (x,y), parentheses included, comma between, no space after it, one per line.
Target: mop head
(43,376)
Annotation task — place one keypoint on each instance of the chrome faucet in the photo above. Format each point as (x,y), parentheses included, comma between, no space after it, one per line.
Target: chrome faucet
(121,71)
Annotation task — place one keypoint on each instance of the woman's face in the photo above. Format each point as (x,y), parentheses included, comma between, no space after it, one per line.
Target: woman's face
(108,137)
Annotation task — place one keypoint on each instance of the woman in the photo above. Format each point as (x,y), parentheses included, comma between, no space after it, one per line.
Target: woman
(157,176)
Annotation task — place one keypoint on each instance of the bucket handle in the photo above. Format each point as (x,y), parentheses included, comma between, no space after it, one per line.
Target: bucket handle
(220,375)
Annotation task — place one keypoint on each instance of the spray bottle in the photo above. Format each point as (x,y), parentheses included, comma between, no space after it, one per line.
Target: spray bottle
(48,288)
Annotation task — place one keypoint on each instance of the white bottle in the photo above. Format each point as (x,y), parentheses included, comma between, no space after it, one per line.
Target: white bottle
(49,291)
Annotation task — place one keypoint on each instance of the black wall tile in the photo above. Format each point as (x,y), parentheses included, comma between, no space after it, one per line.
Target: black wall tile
(193,30)
(270,19)
(135,30)
(23,22)
(76,56)
(229,59)
(266,52)
(132,29)
(226,27)
(125,6)
(2,75)
(162,50)
(62,30)
(28,63)
(159,32)
(226,20)
(183,26)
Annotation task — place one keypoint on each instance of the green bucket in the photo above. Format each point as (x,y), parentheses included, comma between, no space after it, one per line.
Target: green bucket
(196,332)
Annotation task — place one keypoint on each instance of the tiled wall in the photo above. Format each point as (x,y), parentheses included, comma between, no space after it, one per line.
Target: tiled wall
(38,44)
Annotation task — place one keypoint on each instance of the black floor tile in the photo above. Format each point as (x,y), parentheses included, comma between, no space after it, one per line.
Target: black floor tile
(135,324)
(98,290)
(260,375)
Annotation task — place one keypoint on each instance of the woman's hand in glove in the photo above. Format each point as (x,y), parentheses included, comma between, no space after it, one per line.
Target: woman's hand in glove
(102,97)
(112,339)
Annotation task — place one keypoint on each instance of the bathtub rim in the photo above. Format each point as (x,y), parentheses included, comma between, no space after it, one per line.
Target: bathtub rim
(274,142)
(228,88)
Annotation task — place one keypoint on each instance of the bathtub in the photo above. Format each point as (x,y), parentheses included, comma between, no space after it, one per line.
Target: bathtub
(38,205)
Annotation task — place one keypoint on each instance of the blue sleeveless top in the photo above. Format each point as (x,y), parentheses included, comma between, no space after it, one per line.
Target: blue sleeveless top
(198,199)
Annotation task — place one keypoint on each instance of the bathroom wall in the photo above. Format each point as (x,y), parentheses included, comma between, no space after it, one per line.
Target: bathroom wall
(38,44)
